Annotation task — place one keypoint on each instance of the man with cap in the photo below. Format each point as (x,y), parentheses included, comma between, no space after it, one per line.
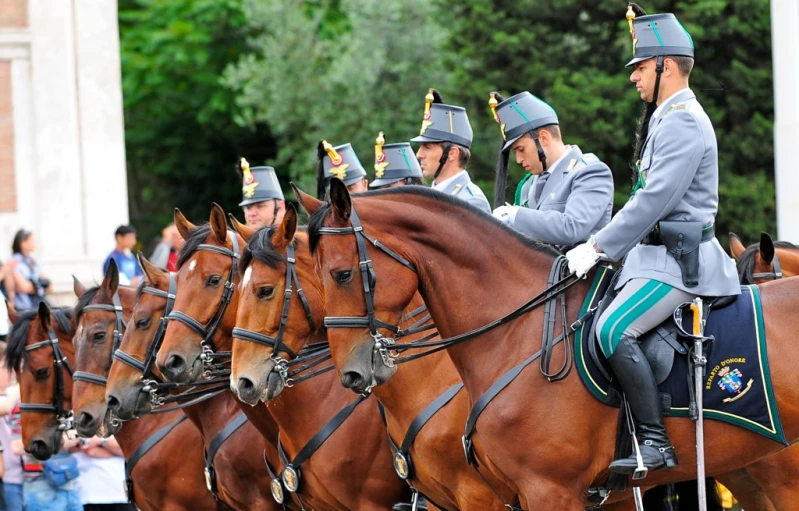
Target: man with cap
(571,196)
(395,165)
(446,139)
(341,162)
(262,201)
(665,232)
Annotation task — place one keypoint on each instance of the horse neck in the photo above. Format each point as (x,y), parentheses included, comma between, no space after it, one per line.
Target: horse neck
(134,433)
(471,271)
(415,384)
(302,410)
(212,416)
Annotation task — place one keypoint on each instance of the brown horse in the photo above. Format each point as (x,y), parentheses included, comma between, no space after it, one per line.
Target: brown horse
(764,261)
(160,480)
(440,471)
(39,349)
(334,477)
(238,461)
(549,441)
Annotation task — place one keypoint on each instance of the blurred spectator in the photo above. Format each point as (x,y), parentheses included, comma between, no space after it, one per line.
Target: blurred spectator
(129,271)
(12,465)
(30,282)
(165,254)
(102,475)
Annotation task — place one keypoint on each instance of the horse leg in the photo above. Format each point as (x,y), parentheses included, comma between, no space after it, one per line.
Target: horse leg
(746,490)
(777,475)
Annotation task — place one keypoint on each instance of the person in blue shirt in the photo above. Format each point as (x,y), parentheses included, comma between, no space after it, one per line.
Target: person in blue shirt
(129,271)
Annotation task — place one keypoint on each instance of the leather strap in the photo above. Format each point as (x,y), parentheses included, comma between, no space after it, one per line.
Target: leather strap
(232,426)
(427,414)
(148,444)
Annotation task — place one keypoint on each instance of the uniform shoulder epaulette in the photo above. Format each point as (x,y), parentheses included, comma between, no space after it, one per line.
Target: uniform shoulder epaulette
(589,158)
(677,106)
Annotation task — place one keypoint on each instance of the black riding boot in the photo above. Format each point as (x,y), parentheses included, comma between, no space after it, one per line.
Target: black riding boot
(633,373)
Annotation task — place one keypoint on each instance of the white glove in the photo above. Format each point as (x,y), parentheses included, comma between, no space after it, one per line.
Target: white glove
(506,214)
(583,257)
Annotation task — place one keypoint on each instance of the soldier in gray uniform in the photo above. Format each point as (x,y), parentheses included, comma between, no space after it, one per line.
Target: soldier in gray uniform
(262,197)
(395,165)
(446,137)
(571,195)
(665,232)
(341,162)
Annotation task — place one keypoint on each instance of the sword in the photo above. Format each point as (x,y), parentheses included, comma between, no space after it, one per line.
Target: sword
(699,370)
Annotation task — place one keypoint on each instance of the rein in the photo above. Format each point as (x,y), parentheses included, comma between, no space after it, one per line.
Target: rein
(63,416)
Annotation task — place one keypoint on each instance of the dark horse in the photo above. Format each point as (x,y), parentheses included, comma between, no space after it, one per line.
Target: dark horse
(549,441)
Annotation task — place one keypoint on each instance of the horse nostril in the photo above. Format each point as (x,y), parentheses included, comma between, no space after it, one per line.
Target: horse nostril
(351,379)
(246,390)
(40,450)
(113,403)
(245,385)
(85,420)
(175,364)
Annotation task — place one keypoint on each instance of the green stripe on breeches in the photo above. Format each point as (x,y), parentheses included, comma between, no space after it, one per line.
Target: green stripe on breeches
(640,306)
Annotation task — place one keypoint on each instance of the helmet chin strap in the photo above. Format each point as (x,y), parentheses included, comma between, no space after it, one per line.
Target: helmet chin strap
(444,157)
(659,71)
(541,155)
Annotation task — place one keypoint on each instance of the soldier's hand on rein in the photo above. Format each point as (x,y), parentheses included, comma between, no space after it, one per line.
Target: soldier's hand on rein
(506,214)
(583,257)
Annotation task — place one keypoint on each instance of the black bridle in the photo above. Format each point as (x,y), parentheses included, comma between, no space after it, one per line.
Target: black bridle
(119,331)
(276,342)
(208,330)
(148,376)
(384,346)
(60,363)
(775,274)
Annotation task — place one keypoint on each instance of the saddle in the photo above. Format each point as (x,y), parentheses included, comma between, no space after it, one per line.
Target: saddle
(660,345)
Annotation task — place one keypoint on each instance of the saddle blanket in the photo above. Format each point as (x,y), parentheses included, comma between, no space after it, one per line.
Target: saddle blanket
(737,382)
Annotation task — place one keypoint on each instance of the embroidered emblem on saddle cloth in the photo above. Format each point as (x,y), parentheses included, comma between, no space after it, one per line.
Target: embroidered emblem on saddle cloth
(737,383)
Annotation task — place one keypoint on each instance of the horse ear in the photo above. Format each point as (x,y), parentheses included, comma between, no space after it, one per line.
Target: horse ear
(310,203)
(78,287)
(218,223)
(284,233)
(766,248)
(736,247)
(111,278)
(44,315)
(184,226)
(152,273)
(244,231)
(341,201)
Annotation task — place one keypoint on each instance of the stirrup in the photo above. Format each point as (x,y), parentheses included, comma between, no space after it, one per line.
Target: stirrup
(640,471)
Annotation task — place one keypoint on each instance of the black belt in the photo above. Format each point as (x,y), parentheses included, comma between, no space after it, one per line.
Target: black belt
(653,238)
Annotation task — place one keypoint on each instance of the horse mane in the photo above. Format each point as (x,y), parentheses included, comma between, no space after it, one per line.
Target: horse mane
(746,263)
(478,215)
(261,249)
(84,300)
(18,337)
(196,238)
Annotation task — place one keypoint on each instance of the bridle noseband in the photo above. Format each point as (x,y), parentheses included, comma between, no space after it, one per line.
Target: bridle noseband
(119,331)
(276,342)
(63,416)
(208,330)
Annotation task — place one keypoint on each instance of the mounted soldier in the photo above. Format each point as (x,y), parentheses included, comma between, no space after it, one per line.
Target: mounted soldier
(665,232)
(395,165)
(341,162)
(262,198)
(567,195)
(446,138)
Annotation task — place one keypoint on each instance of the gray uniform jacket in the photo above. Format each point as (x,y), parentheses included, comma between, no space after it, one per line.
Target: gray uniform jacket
(576,202)
(680,163)
(463,188)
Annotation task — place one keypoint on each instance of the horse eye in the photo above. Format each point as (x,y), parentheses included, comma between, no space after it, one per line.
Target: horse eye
(98,336)
(143,324)
(266,292)
(343,277)
(42,374)
(213,281)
